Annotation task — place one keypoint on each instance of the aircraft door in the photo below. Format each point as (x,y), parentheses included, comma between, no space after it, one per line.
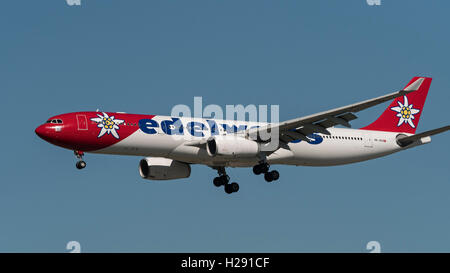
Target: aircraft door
(82,122)
(368,141)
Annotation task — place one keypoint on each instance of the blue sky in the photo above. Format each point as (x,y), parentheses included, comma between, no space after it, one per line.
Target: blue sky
(147,56)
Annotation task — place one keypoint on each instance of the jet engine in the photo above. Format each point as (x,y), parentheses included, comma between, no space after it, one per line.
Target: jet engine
(231,146)
(160,168)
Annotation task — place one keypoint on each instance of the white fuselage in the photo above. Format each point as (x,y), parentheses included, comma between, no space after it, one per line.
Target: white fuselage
(343,146)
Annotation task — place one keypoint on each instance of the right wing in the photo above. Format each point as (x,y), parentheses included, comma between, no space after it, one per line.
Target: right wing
(300,128)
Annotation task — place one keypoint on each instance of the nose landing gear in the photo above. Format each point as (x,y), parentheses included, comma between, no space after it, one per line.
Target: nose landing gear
(224,180)
(80,164)
(264,168)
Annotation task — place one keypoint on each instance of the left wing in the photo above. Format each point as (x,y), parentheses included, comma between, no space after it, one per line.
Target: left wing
(300,128)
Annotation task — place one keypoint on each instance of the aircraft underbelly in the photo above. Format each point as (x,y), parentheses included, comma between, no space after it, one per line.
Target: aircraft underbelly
(328,154)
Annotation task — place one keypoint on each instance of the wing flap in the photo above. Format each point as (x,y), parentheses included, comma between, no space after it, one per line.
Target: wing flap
(294,135)
(338,120)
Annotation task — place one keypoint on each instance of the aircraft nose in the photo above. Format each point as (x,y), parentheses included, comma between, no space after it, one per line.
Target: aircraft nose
(43,132)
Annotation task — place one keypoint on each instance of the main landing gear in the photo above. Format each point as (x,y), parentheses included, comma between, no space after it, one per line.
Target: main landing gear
(80,164)
(264,168)
(224,180)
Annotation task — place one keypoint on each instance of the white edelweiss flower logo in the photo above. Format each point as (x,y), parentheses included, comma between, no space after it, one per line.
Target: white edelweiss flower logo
(405,112)
(108,124)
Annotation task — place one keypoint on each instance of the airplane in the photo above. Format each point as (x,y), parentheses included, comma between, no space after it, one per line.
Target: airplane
(170,145)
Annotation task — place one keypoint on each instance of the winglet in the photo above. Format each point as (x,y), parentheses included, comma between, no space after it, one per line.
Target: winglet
(415,85)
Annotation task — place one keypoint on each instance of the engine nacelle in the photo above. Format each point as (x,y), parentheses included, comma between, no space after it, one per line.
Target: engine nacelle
(231,146)
(160,168)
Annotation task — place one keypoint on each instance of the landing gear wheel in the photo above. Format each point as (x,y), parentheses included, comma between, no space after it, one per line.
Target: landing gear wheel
(268,177)
(81,165)
(264,167)
(257,170)
(225,179)
(275,175)
(221,180)
(261,168)
(230,188)
(234,186)
(217,181)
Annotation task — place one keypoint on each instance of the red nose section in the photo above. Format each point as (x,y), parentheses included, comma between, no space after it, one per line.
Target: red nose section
(44,132)
(89,131)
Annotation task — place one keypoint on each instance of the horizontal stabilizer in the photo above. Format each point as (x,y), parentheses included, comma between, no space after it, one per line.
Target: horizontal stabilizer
(405,141)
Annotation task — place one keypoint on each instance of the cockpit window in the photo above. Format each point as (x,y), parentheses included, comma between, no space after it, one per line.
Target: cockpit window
(54,121)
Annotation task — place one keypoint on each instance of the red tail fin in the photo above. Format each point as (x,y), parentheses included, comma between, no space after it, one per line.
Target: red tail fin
(404,112)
